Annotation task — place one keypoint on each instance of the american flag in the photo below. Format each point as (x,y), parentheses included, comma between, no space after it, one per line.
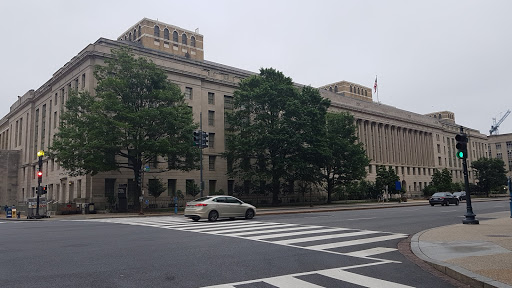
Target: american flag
(375,85)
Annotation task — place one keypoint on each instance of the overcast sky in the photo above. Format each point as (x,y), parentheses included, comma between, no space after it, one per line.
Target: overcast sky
(429,55)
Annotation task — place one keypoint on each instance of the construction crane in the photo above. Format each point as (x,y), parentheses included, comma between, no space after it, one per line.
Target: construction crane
(494,127)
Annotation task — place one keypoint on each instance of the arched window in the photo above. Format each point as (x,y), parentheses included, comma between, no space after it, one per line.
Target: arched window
(134,33)
(138,35)
(336,88)
(365,92)
(175,36)
(184,38)
(330,89)
(130,36)
(358,90)
(350,88)
(157,31)
(193,41)
(166,34)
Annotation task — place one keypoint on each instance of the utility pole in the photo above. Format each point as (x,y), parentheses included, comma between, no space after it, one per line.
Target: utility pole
(462,153)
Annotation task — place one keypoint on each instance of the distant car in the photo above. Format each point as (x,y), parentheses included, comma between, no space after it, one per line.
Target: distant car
(215,207)
(443,198)
(460,195)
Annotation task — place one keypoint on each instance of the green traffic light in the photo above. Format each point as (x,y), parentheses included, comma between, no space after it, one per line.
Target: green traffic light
(460,154)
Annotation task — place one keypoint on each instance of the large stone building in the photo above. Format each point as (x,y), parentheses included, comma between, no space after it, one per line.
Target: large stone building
(411,143)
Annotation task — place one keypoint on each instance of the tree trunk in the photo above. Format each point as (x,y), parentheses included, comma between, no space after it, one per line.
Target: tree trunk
(330,186)
(275,192)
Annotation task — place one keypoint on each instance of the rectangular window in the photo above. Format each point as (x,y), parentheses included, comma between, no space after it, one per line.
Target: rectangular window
(211,98)
(56,99)
(83,81)
(211,140)
(228,102)
(16,134)
(54,119)
(212,187)
(231,187)
(211,118)
(43,126)
(21,129)
(191,187)
(188,93)
(76,84)
(370,168)
(211,163)
(36,136)
(171,187)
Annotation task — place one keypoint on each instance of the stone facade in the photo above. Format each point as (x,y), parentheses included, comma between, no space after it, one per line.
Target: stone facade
(411,143)
(9,168)
(500,146)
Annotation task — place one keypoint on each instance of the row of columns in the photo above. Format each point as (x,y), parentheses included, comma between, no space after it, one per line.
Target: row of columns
(390,144)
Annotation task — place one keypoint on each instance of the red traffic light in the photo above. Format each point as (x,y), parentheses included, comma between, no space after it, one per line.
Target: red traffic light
(39,174)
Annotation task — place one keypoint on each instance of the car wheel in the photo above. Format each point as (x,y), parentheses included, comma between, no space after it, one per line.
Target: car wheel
(447,203)
(249,214)
(431,204)
(457,203)
(213,216)
(195,219)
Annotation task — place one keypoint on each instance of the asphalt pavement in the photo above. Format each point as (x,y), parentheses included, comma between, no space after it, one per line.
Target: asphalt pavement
(479,255)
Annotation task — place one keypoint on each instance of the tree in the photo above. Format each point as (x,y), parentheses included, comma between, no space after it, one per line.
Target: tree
(276,131)
(135,116)
(345,159)
(442,180)
(386,178)
(491,173)
(155,187)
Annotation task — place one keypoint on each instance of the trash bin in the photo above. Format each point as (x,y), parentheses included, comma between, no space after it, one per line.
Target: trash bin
(13,212)
(90,208)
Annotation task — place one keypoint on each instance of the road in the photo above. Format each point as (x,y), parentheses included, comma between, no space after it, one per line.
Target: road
(355,248)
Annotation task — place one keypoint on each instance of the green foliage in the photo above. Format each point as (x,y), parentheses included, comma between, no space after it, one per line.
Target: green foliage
(345,159)
(136,115)
(442,180)
(220,192)
(155,187)
(429,190)
(360,190)
(276,131)
(192,188)
(491,174)
(386,178)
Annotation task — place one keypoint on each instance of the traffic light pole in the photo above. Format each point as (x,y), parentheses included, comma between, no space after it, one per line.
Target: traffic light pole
(470,216)
(39,180)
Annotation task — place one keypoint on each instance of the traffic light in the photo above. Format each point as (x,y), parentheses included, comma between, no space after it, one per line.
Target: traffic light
(45,189)
(204,140)
(462,145)
(39,176)
(197,138)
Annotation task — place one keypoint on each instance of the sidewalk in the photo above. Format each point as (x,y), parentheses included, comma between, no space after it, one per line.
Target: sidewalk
(478,255)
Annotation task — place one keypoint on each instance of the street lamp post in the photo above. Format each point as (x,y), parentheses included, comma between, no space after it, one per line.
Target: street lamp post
(40,155)
(510,194)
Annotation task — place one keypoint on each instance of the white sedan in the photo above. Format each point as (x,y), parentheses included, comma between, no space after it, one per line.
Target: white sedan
(215,207)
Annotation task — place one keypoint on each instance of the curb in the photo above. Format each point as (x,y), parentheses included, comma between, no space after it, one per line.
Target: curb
(463,275)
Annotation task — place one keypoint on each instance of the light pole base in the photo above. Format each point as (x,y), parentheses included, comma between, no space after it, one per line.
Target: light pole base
(470,221)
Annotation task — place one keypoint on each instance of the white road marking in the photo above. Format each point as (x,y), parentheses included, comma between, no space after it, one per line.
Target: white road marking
(296,233)
(340,274)
(323,237)
(356,242)
(370,252)
(276,230)
(361,280)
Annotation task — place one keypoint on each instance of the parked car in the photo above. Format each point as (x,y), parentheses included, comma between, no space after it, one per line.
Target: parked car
(460,195)
(443,198)
(215,207)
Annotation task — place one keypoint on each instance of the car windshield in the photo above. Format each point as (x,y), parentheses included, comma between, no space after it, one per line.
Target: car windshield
(202,199)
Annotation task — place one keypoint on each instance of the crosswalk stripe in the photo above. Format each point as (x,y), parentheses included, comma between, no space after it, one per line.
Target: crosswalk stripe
(323,237)
(361,280)
(250,228)
(356,242)
(370,252)
(233,227)
(340,274)
(290,282)
(277,230)
(296,233)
